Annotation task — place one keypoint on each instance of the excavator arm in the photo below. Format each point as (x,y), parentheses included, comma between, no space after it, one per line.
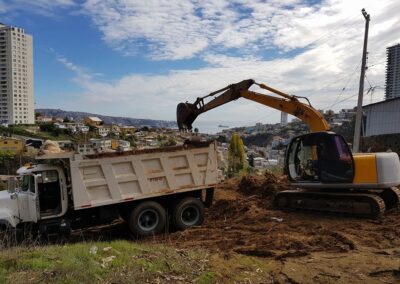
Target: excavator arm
(187,112)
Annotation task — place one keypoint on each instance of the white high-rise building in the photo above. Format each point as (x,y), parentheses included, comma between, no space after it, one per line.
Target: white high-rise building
(16,76)
(284,118)
(392,89)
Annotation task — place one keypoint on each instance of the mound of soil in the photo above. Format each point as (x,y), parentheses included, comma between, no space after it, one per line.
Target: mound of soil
(263,186)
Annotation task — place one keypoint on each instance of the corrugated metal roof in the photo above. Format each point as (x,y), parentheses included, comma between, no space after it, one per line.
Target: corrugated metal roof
(381,102)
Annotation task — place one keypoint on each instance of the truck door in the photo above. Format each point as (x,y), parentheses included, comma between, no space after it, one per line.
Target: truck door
(27,199)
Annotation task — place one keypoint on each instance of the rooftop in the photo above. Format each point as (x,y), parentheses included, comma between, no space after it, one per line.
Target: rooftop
(95,118)
(381,102)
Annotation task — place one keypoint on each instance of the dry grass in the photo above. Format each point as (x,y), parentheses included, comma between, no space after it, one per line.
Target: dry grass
(104,262)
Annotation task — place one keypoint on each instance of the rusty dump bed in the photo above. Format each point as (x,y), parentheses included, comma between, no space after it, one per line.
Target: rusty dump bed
(122,177)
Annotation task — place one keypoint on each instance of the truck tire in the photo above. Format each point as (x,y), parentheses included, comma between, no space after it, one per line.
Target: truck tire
(187,213)
(147,219)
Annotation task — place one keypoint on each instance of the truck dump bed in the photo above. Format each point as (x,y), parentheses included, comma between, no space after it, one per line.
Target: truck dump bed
(114,178)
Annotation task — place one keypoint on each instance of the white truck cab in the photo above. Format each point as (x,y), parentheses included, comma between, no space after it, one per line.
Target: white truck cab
(38,193)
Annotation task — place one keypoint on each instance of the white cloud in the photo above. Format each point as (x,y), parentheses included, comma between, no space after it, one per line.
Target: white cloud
(42,7)
(81,74)
(184,29)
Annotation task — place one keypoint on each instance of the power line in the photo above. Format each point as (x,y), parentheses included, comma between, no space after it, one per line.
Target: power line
(333,31)
(345,86)
(333,82)
(377,64)
(315,41)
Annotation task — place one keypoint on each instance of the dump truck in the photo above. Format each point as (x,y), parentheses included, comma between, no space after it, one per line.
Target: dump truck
(150,189)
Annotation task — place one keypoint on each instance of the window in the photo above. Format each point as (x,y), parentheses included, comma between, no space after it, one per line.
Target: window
(320,157)
(28,183)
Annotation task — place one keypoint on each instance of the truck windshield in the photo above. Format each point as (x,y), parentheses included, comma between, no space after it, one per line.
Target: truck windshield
(27,183)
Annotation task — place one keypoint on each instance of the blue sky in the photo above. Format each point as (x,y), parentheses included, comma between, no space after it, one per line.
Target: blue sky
(141,58)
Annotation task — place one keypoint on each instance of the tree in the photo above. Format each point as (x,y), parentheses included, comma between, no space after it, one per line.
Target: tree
(170,141)
(50,127)
(222,139)
(6,159)
(251,160)
(236,155)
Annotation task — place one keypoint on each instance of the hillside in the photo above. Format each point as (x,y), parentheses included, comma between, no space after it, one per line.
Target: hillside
(77,116)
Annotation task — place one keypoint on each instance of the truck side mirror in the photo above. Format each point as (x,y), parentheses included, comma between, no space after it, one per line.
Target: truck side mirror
(11,184)
(39,178)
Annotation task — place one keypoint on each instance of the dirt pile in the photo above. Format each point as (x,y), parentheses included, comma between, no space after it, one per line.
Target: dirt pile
(265,186)
(50,147)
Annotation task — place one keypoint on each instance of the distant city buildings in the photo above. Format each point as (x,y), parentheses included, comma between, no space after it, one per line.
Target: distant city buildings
(284,118)
(392,89)
(16,76)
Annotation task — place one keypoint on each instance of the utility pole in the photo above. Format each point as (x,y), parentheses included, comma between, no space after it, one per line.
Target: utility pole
(357,128)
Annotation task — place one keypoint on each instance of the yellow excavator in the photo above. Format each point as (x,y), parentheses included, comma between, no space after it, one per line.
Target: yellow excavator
(327,175)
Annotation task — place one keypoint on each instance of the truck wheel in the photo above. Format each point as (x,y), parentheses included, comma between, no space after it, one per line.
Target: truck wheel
(147,219)
(188,212)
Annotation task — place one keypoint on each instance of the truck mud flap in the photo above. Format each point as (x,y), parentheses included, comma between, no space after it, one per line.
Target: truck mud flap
(209,197)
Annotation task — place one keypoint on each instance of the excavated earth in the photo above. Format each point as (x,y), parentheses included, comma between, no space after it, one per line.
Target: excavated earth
(286,246)
(300,247)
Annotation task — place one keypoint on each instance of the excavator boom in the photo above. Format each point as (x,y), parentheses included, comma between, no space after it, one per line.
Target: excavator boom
(188,112)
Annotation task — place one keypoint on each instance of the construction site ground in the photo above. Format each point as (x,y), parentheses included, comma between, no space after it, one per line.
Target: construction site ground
(249,241)
(293,246)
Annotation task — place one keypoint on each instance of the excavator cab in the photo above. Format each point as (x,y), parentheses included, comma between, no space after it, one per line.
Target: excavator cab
(321,157)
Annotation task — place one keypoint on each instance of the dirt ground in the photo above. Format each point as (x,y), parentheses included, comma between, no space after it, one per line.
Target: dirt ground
(294,246)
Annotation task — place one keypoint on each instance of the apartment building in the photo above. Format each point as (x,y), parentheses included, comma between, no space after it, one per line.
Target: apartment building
(392,87)
(16,76)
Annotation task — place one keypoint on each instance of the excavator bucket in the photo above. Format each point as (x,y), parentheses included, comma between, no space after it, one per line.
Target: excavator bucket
(186,113)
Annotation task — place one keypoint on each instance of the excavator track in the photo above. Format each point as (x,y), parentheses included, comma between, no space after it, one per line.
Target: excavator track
(358,204)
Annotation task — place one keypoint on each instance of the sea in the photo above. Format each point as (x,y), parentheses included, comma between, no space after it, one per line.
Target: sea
(213,127)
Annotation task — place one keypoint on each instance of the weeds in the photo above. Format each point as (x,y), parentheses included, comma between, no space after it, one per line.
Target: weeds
(115,261)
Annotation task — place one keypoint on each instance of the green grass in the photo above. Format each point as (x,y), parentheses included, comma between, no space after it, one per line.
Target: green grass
(113,262)
(21,130)
(49,136)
